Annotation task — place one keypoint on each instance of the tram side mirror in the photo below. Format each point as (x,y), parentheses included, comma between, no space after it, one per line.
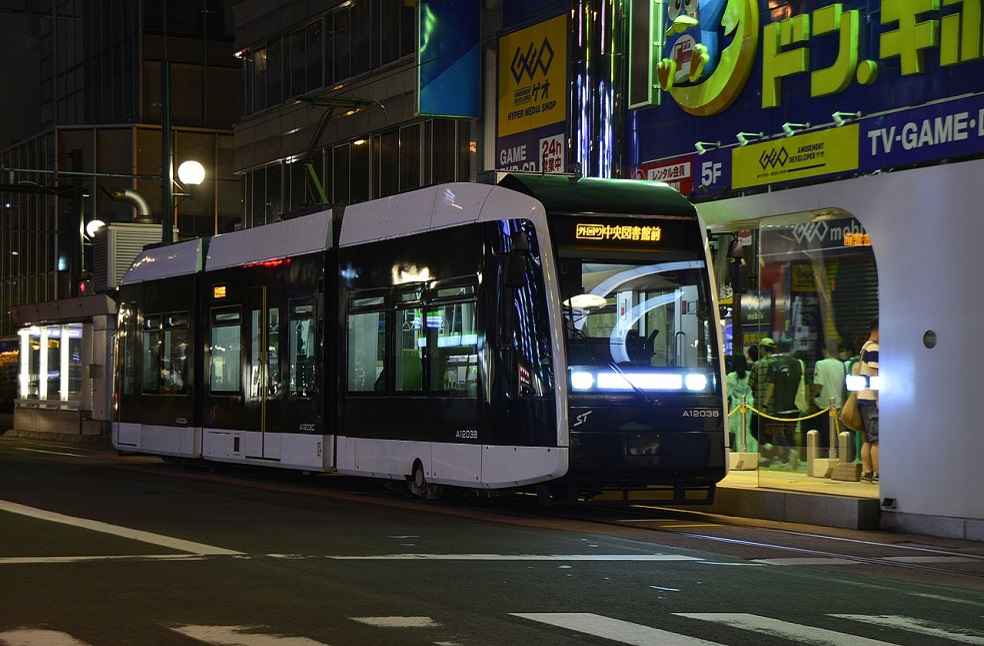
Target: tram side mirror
(515,269)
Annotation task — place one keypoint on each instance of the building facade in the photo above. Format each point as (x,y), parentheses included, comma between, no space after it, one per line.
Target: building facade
(332,86)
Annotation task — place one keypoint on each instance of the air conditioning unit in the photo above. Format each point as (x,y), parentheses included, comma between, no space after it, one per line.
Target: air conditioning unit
(117,245)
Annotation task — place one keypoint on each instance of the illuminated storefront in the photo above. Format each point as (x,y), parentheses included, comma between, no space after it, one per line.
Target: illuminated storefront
(832,149)
(63,372)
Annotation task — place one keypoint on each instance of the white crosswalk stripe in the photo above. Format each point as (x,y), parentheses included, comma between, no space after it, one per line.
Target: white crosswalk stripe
(921,626)
(397,622)
(241,636)
(624,632)
(797,633)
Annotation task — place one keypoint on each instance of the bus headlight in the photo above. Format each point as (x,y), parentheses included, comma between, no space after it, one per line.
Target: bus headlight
(696,381)
(582,380)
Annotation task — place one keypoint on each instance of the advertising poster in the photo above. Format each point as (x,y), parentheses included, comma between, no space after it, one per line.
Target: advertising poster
(532,98)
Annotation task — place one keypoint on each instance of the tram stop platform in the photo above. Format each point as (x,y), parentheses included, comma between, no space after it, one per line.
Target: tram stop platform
(796,497)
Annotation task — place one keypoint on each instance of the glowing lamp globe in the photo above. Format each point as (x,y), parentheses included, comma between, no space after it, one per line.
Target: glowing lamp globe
(191,173)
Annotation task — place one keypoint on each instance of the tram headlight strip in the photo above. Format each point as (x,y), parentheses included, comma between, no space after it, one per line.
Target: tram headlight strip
(583,380)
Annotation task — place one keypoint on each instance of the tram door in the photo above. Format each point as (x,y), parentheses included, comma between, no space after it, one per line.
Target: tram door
(265,386)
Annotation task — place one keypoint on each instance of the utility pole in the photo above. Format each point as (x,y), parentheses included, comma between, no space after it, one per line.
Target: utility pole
(167,149)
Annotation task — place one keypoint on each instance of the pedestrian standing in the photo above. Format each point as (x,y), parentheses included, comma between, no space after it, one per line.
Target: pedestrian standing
(829,375)
(868,405)
(739,392)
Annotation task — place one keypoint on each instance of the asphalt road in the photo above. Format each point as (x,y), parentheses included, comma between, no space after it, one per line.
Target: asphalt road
(97,549)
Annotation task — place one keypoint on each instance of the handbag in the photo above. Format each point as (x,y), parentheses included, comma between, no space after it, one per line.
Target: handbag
(850,414)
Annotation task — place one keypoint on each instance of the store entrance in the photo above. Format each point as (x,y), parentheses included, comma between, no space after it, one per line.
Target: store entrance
(798,295)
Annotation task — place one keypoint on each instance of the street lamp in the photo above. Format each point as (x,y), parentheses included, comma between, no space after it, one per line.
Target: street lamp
(93,227)
(191,173)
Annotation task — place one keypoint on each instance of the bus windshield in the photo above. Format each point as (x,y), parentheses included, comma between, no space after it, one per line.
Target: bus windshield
(637,314)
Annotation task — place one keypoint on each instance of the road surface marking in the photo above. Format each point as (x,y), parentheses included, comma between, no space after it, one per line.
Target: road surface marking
(797,633)
(940,597)
(241,636)
(397,622)
(656,587)
(32,637)
(178,544)
(805,560)
(615,630)
(930,559)
(921,626)
(71,455)
(735,563)
(690,525)
(517,557)
(41,560)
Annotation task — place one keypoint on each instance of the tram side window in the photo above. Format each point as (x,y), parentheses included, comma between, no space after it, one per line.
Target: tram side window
(453,349)
(272,377)
(129,332)
(224,373)
(411,342)
(303,349)
(151,382)
(366,356)
(174,354)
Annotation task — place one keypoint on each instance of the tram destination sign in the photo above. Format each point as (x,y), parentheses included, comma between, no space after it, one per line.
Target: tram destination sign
(613,232)
(621,234)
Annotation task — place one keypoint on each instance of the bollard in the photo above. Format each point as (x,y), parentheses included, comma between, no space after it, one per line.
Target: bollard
(846,443)
(836,453)
(846,470)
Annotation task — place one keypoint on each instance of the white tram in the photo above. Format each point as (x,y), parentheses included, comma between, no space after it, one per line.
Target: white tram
(547,331)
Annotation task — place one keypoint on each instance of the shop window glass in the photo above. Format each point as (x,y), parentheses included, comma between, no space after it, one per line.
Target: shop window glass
(359,186)
(342,46)
(74,333)
(411,342)
(410,157)
(366,352)
(260,79)
(314,56)
(454,349)
(151,381)
(464,151)
(224,367)
(303,350)
(174,355)
(34,365)
(54,351)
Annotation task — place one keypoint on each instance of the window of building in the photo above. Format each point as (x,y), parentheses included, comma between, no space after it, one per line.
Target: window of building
(359,180)
(410,157)
(389,30)
(340,156)
(174,354)
(274,194)
(298,61)
(54,352)
(453,349)
(408,28)
(411,343)
(74,334)
(361,36)
(257,182)
(315,56)
(303,349)
(389,163)
(367,347)
(226,348)
(443,157)
(151,382)
(342,44)
(275,72)
(259,66)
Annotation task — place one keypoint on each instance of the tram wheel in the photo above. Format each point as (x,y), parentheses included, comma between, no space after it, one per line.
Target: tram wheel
(418,481)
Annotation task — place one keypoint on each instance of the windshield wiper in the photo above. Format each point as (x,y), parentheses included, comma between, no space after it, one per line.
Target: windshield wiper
(638,391)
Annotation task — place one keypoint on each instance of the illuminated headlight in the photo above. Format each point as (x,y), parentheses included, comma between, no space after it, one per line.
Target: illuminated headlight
(696,381)
(582,380)
(641,380)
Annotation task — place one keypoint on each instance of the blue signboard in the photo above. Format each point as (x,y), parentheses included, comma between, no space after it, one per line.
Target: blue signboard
(450,66)
(939,131)
(772,66)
